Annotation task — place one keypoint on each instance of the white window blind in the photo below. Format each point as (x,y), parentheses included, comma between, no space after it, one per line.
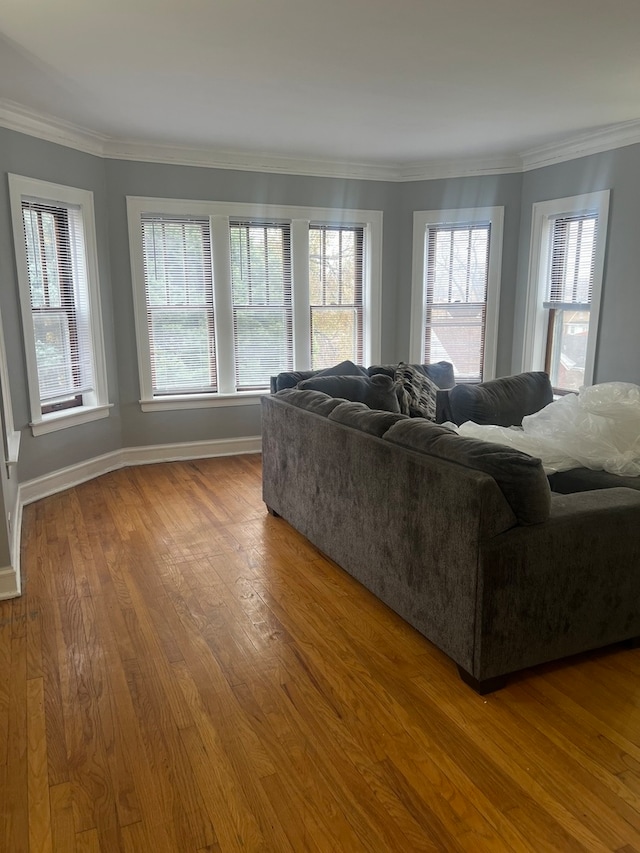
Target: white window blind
(262,302)
(568,298)
(336,261)
(57,276)
(573,253)
(456,270)
(179,301)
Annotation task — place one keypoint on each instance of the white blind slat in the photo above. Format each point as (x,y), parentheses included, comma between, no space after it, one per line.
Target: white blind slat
(57,273)
(457,275)
(262,301)
(180,309)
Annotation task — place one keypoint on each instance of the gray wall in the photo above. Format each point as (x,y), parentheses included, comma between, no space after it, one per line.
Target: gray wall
(618,352)
(34,158)
(112,180)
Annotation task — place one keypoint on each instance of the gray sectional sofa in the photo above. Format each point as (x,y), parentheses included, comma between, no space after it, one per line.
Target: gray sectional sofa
(463,539)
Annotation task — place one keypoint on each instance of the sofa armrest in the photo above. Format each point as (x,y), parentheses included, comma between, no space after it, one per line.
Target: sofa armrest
(561,587)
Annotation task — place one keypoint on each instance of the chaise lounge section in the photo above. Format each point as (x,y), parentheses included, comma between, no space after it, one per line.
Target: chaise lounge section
(462,538)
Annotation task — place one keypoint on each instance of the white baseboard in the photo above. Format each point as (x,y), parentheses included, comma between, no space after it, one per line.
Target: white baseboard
(73,475)
(66,478)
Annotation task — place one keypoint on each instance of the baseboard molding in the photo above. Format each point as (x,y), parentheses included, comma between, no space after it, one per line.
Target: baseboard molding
(66,478)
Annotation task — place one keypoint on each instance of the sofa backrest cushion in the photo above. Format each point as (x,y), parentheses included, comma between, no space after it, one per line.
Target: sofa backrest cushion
(440,372)
(289,379)
(312,401)
(360,416)
(377,392)
(503,402)
(520,477)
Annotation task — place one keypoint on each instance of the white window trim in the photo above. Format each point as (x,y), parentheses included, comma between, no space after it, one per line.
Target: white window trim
(544,212)
(19,188)
(423,219)
(220,213)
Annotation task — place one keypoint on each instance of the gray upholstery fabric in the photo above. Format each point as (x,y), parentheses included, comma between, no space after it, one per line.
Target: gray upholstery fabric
(313,401)
(360,416)
(520,477)
(439,543)
(503,402)
(379,511)
(563,587)
(378,392)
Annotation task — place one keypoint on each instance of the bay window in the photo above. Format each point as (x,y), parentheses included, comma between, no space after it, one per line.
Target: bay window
(227,295)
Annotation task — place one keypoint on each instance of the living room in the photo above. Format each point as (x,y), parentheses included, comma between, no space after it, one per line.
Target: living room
(43,146)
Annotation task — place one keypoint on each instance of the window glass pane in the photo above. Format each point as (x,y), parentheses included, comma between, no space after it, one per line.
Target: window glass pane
(179,295)
(262,303)
(333,336)
(53,354)
(336,261)
(59,301)
(456,281)
(568,349)
(180,341)
(573,258)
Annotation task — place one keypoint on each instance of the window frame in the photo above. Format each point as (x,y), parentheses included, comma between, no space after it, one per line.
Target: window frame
(474,216)
(95,404)
(536,326)
(220,215)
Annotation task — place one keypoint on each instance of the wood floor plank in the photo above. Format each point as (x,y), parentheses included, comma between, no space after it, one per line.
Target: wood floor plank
(188,674)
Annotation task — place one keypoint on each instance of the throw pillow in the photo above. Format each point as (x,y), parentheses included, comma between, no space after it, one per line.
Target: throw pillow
(378,392)
(420,393)
(345,368)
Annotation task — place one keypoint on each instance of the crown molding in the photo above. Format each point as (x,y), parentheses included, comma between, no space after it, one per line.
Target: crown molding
(582,145)
(16,117)
(255,162)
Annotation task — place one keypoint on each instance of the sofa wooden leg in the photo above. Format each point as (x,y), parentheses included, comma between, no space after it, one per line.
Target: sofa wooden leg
(484,686)
(273,512)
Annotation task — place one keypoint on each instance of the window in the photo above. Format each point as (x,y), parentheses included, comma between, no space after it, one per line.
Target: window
(565,280)
(456,280)
(336,294)
(54,237)
(227,296)
(262,304)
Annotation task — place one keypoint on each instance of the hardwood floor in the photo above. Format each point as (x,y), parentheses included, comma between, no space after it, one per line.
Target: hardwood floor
(186,673)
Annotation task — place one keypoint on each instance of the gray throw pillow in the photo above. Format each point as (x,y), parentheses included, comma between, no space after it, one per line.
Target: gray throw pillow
(503,402)
(420,392)
(377,392)
(345,368)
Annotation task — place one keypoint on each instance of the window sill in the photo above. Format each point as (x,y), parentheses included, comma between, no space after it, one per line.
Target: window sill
(69,418)
(201,401)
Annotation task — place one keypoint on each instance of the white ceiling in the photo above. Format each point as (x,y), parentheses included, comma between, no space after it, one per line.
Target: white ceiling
(380,82)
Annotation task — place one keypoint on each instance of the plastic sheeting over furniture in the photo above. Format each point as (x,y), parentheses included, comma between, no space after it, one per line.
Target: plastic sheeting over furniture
(598,428)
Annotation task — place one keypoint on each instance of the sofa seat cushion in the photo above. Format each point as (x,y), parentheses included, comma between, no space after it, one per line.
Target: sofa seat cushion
(360,416)
(520,477)
(377,392)
(312,401)
(502,402)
